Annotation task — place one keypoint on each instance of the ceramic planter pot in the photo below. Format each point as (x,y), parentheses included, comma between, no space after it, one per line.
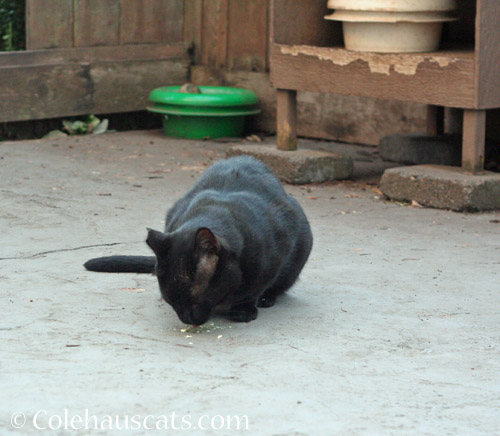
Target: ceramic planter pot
(392,26)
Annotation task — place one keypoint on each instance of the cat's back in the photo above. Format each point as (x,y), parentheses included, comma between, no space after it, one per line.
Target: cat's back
(241,173)
(240,184)
(244,175)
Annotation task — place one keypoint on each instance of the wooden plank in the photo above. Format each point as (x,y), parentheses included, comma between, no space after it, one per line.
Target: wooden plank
(214,33)
(44,91)
(97,22)
(174,21)
(286,119)
(473,145)
(125,86)
(358,120)
(248,35)
(151,21)
(193,22)
(49,24)
(488,54)
(94,54)
(441,78)
(302,22)
(55,90)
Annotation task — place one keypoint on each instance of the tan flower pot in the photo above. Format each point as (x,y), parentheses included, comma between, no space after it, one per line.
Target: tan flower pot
(392,26)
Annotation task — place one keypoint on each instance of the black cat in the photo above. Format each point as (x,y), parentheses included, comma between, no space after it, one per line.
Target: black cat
(233,243)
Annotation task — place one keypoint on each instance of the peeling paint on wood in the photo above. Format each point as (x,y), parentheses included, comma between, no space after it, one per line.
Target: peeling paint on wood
(378,63)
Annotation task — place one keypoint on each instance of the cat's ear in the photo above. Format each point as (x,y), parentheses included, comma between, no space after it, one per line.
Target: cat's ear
(157,241)
(207,250)
(206,241)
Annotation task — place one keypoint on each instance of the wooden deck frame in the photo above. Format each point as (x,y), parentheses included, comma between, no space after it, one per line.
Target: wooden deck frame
(307,55)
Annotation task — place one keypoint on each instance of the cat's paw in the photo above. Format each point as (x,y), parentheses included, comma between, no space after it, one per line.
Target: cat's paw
(243,313)
(266,301)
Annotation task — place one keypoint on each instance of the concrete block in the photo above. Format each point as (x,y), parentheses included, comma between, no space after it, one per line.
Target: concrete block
(300,166)
(443,187)
(417,149)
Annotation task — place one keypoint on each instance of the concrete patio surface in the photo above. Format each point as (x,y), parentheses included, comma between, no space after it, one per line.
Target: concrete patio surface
(393,328)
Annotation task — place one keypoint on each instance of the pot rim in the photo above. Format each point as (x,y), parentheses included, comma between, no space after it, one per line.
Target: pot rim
(390,17)
(209,96)
(394,5)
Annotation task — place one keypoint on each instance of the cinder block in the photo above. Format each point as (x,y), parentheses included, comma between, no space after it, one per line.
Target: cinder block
(300,166)
(443,187)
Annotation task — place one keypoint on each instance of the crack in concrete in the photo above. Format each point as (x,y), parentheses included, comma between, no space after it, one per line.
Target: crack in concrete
(43,253)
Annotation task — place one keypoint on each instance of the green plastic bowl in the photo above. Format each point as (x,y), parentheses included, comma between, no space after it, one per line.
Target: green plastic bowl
(218,111)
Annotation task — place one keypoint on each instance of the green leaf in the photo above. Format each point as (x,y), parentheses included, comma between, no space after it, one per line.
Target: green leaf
(68,126)
(92,123)
(102,127)
(79,127)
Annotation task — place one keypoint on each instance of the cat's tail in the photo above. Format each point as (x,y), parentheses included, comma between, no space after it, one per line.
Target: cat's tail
(122,264)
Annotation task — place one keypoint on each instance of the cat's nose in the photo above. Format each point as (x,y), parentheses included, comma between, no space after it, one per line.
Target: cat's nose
(199,314)
(185,316)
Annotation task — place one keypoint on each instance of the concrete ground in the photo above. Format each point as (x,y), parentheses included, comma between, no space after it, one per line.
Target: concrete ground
(393,328)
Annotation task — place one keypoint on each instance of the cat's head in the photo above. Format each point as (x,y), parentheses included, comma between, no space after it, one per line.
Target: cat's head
(195,271)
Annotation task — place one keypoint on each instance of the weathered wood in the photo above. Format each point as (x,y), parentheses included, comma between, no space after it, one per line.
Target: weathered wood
(435,120)
(193,22)
(473,140)
(257,82)
(151,21)
(350,119)
(215,31)
(488,54)
(44,91)
(49,24)
(302,22)
(93,54)
(248,35)
(97,22)
(286,119)
(443,78)
(359,120)
(82,81)
(135,80)
(174,21)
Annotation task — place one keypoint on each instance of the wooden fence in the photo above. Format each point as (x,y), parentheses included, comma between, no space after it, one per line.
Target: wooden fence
(229,34)
(93,56)
(104,56)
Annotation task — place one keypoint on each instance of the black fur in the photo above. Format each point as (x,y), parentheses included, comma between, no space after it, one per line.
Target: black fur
(235,241)
(121,264)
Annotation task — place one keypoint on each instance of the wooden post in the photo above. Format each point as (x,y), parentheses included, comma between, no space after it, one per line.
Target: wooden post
(287,119)
(474,135)
(435,120)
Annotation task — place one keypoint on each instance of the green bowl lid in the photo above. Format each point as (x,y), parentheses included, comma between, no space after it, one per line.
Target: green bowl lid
(209,96)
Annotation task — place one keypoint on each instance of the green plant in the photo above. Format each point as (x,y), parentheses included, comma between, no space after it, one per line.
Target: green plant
(12,25)
(91,124)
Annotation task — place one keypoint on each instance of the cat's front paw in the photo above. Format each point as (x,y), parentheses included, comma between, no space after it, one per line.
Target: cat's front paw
(266,301)
(243,313)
